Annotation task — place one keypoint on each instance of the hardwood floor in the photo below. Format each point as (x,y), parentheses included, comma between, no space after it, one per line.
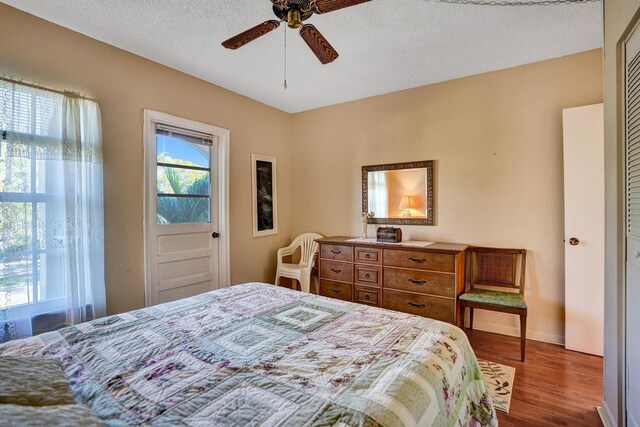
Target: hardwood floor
(554,387)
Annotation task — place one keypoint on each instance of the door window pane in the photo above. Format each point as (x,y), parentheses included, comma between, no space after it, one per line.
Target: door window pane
(173,180)
(182,150)
(183,179)
(182,210)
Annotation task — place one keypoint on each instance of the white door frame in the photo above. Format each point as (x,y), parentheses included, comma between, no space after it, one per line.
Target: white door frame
(222,159)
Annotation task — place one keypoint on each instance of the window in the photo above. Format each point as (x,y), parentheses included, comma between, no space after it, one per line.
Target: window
(51,210)
(30,202)
(183,176)
(378,194)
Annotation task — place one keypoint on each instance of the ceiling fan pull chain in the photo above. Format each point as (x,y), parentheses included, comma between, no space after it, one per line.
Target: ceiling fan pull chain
(285,56)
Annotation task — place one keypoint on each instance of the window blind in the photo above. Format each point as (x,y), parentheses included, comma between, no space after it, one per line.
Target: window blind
(193,137)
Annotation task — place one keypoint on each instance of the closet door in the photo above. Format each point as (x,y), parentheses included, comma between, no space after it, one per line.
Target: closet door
(632,159)
(583,132)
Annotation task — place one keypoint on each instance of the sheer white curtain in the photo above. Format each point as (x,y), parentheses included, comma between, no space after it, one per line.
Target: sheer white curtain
(378,194)
(51,211)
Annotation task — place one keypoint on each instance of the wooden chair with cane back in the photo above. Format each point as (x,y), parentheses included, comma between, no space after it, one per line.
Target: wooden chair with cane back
(497,267)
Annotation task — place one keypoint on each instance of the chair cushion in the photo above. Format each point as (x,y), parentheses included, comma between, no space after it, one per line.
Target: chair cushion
(507,299)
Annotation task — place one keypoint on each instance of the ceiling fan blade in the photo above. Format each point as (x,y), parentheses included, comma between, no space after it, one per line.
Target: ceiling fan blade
(325,6)
(251,34)
(318,44)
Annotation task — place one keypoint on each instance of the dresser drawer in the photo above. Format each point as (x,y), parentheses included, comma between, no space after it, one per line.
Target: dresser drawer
(369,275)
(369,296)
(335,270)
(443,284)
(337,290)
(422,305)
(368,255)
(420,260)
(336,252)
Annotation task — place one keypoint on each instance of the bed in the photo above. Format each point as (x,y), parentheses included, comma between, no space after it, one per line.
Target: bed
(256,354)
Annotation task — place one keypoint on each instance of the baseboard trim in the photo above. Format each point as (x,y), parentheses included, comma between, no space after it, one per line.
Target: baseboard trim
(605,415)
(515,332)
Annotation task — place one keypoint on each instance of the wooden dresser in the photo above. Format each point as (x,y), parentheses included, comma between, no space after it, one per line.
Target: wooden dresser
(418,280)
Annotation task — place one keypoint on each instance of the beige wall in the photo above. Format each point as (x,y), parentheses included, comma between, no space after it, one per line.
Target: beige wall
(497,142)
(496,138)
(618,17)
(125,84)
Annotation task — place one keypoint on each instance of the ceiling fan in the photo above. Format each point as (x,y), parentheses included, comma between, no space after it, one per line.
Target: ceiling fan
(294,12)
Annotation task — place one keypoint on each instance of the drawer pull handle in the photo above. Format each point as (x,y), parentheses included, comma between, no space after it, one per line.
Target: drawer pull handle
(418,260)
(337,291)
(367,297)
(336,270)
(367,276)
(336,251)
(367,256)
(417,282)
(413,304)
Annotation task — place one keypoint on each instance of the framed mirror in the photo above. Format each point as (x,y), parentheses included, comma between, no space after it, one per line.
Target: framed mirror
(399,193)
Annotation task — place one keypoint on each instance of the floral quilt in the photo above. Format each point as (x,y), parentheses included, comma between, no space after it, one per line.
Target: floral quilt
(260,355)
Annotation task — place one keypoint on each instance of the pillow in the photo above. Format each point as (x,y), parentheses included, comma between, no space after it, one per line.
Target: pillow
(52,415)
(33,381)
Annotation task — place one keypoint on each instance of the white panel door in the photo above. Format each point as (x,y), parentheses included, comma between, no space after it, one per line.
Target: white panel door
(182,209)
(632,163)
(583,130)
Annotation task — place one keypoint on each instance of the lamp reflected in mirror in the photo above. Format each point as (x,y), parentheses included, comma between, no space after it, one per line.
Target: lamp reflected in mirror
(406,204)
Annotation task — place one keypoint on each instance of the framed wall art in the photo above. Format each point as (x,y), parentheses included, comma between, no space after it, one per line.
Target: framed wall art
(264,195)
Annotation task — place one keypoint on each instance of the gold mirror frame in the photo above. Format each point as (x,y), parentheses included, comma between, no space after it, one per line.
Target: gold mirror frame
(427,164)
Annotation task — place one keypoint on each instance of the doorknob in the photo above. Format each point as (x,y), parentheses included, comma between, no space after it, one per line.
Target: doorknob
(215,234)
(574,241)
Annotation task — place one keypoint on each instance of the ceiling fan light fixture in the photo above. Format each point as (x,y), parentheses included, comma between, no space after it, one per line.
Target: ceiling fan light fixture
(294,19)
(294,12)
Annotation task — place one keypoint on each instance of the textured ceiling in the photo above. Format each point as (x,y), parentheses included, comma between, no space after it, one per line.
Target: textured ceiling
(384,45)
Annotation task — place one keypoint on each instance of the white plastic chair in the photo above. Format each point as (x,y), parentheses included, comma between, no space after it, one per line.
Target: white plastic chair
(301,271)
